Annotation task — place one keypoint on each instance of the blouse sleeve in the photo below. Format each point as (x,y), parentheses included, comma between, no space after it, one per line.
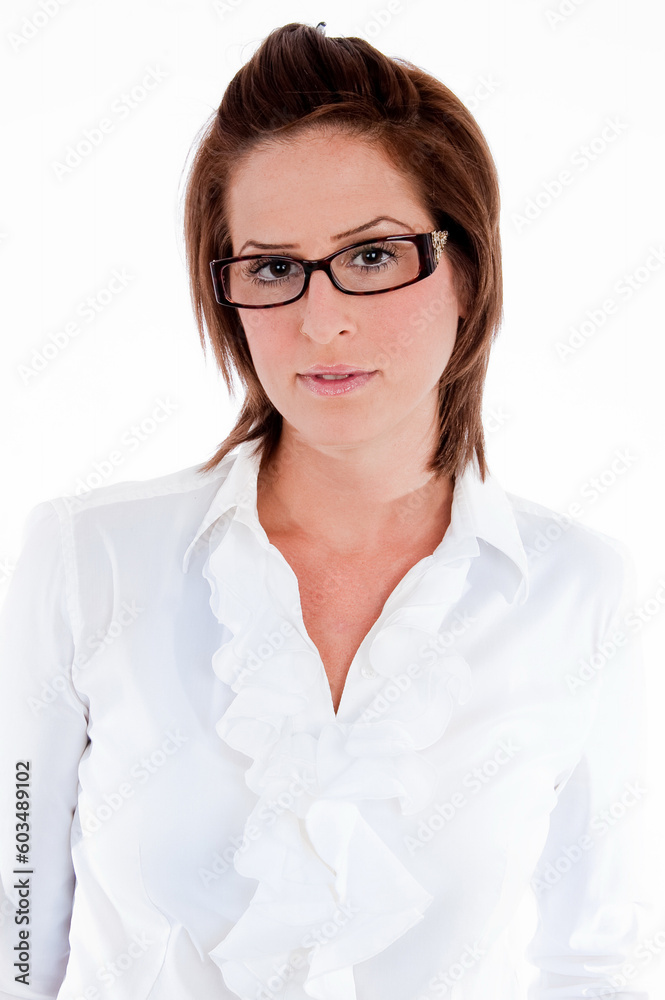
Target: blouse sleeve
(43,733)
(593,904)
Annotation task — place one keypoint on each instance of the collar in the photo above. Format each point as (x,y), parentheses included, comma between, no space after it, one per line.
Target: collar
(480,510)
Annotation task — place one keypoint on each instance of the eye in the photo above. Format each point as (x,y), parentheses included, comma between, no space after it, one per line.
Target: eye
(374,254)
(271,269)
(371,257)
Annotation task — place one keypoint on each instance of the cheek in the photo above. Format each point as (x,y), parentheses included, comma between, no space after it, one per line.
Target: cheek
(266,341)
(416,332)
(254,323)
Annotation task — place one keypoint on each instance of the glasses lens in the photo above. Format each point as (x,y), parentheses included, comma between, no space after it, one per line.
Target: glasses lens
(377,266)
(262,282)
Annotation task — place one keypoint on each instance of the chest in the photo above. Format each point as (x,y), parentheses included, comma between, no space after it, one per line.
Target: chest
(341,601)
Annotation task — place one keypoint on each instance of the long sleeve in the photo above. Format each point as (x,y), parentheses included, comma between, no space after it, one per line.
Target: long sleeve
(43,733)
(591,881)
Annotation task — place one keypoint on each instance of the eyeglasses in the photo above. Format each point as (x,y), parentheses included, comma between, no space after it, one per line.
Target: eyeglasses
(260,281)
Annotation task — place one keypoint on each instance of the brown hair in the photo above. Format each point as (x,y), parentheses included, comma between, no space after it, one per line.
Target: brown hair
(300,79)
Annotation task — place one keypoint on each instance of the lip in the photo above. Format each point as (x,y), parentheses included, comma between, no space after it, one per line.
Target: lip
(335,370)
(336,387)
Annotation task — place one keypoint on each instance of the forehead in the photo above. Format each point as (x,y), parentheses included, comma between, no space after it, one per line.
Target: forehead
(318,183)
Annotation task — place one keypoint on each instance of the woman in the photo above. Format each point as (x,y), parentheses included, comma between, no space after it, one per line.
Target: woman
(310,720)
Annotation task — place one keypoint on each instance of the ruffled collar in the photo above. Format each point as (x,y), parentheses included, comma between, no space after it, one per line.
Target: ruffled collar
(330,892)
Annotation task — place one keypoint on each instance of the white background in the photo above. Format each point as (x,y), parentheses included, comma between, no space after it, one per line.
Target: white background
(544,78)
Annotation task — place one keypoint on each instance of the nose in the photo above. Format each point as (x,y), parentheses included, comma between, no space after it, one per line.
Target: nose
(325,310)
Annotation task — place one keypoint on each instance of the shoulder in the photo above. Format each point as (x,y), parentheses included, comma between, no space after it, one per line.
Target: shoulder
(164,511)
(187,488)
(566,555)
(544,528)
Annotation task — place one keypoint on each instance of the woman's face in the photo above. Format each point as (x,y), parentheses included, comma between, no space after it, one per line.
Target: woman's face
(299,196)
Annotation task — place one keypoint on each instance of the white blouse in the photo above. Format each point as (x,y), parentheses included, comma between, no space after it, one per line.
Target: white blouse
(193,820)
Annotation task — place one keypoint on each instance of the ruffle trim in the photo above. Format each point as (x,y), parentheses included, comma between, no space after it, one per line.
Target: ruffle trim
(330,892)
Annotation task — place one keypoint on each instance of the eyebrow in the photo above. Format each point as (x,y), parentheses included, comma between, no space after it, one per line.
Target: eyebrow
(339,236)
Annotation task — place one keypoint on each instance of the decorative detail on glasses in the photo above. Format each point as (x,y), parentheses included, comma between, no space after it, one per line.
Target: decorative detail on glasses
(438,243)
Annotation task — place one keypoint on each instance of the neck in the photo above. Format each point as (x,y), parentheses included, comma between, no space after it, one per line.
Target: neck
(354,497)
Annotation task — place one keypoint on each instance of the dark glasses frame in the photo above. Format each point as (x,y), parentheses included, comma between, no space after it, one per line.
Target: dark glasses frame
(430,247)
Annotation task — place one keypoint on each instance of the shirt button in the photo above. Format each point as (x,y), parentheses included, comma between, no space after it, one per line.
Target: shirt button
(367,670)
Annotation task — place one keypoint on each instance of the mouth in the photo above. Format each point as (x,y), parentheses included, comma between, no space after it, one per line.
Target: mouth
(335,382)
